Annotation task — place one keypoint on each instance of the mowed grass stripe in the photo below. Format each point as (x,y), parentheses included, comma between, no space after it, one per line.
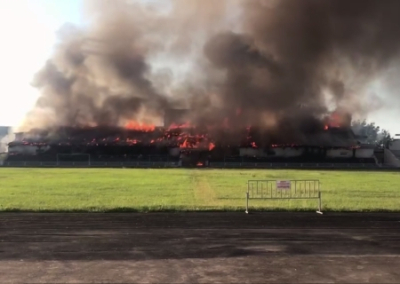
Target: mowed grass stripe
(205,196)
(182,189)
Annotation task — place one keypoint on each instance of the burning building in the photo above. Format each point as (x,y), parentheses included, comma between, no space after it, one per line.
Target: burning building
(260,85)
(195,144)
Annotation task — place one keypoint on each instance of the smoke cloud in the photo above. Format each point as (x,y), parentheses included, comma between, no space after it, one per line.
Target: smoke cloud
(281,65)
(5,138)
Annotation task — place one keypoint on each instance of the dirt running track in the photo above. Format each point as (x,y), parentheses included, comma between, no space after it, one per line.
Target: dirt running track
(199,247)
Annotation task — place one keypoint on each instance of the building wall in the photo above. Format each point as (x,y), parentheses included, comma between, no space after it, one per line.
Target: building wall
(390,159)
(365,153)
(339,153)
(395,145)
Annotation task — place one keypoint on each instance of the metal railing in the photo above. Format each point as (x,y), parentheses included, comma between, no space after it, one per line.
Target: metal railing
(283,189)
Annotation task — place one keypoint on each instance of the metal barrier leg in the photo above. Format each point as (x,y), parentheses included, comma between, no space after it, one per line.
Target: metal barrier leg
(247,203)
(319,203)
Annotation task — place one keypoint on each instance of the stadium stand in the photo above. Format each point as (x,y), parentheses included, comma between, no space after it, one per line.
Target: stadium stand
(170,161)
(100,152)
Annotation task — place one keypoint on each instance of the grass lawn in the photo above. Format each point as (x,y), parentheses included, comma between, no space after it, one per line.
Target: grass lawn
(186,189)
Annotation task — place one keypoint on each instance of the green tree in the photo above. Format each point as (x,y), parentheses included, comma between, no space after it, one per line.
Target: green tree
(371,133)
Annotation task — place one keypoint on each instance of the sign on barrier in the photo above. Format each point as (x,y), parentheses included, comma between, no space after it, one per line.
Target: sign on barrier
(284,189)
(283,184)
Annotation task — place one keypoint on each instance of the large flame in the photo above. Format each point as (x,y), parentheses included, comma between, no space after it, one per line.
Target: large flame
(188,136)
(338,119)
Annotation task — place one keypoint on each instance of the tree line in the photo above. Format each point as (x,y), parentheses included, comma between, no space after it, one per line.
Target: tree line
(371,133)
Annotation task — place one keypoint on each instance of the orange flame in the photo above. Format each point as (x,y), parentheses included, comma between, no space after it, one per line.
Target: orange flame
(211,146)
(199,164)
(185,144)
(133,125)
(338,119)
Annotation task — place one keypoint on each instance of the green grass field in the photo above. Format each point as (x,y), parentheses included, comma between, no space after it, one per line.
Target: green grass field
(186,189)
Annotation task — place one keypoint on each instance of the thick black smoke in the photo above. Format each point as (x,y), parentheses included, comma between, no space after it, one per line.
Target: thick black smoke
(277,64)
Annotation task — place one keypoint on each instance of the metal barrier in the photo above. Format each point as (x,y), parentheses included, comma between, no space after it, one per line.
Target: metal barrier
(284,189)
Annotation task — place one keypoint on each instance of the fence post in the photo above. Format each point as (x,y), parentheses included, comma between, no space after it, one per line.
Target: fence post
(247,202)
(319,203)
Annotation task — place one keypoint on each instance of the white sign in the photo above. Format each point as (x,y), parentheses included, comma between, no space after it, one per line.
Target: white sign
(283,184)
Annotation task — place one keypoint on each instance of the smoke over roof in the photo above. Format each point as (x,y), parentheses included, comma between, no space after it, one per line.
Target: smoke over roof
(276,64)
